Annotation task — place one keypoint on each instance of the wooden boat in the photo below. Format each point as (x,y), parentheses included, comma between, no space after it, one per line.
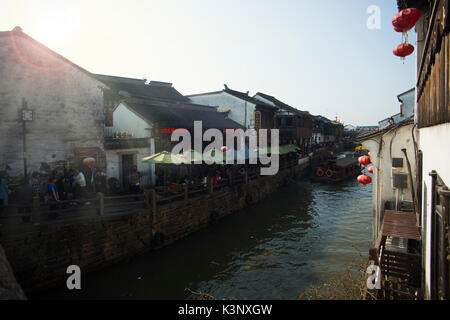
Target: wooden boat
(337,170)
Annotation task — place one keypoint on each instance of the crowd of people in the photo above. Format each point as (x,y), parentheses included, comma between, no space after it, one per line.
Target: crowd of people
(68,187)
(60,187)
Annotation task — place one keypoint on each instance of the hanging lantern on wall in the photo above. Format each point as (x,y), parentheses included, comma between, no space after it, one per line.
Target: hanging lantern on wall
(403,50)
(370,169)
(364,179)
(89,162)
(224,149)
(364,160)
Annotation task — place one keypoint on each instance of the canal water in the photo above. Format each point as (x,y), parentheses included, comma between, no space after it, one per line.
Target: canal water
(301,235)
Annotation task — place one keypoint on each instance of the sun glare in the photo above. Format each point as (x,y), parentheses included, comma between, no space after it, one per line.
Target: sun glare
(56,22)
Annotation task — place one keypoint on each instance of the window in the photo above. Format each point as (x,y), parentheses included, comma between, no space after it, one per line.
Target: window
(257,120)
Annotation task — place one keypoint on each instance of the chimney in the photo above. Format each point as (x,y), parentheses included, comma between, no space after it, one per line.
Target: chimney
(226,87)
(17,29)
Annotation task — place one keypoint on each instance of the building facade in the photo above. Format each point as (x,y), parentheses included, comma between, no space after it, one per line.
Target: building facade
(295,125)
(52,111)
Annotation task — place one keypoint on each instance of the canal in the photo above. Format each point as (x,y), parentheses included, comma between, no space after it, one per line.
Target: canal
(303,234)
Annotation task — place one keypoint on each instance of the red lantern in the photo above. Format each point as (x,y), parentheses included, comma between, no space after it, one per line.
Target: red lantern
(364,179)
(224,149)
(89,162)
(406,19)
(364,160)
(403,50)
(370,169)
(398,29)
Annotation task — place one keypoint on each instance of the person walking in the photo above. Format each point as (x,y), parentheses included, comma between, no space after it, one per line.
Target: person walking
(134,180)
(24,198)
(63,189)
(52,194)
(4,194)
(80,185)
(100,182)
(36,185)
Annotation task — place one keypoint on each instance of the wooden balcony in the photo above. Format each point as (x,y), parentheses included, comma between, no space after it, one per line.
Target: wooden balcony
(401,268)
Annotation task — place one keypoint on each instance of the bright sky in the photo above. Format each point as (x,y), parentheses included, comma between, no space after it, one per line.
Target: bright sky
(315,55)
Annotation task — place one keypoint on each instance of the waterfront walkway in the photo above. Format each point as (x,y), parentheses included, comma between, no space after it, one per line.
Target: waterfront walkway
(105,205)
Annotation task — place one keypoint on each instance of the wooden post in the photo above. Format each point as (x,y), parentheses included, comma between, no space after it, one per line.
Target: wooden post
(210,185)
(246,177)
(153,200)
(147,199)
(36,204)
(186,192)
(230,178)
(101,204)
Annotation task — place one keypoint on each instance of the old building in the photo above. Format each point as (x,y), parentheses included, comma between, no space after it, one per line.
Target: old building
(141,120)
(325,131)
(407,102)
(52,110)
(295,125)
(249,112)
(433,151)
(412,175)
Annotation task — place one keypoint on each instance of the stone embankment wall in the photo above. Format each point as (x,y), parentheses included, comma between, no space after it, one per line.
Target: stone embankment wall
(40,254)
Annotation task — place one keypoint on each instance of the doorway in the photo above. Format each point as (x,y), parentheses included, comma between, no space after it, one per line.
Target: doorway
(127,165)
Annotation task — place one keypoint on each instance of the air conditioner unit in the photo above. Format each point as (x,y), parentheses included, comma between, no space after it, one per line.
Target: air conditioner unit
(399,180)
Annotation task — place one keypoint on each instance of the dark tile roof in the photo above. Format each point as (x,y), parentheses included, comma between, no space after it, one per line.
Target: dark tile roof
(182,115)
(322,118)
(17,32)
(246,97)
(237,94)
(138,88)
(281,104)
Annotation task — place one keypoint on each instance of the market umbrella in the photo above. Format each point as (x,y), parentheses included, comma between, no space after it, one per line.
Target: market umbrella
(164,157)
(214,155)
(288,148)
(195,156)
(243,154)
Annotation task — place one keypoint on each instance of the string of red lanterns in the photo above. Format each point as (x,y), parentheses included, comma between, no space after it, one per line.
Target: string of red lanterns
(404,21)
(365,179)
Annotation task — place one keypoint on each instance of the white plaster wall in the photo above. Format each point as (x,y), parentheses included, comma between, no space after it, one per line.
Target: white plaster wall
(382,190)
(227,101)
(113,163)
(435,145)
(67,104)
(125,120)
(320,137)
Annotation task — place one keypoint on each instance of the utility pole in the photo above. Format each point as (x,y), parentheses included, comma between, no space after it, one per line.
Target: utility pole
(27,115)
